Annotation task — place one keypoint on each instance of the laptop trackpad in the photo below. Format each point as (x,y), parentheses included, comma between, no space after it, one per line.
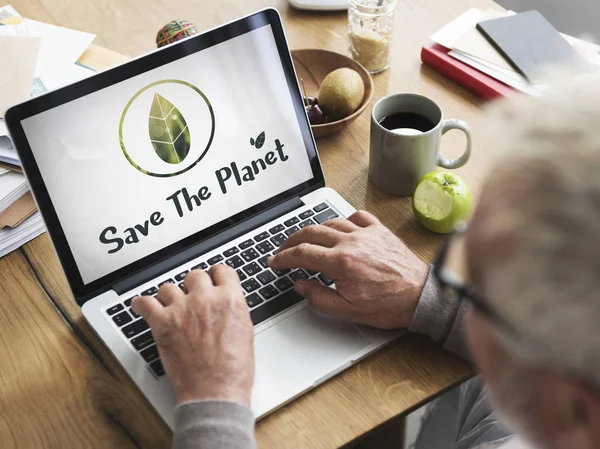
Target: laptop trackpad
(305,347)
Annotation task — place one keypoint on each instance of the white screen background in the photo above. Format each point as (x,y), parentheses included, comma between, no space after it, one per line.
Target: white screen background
(93,186)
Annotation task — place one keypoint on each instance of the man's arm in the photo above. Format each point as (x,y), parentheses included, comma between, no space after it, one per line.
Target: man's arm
(213,425)
(441,318)
(206,343)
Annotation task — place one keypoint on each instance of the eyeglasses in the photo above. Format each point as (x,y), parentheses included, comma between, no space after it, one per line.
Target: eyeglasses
(452,253)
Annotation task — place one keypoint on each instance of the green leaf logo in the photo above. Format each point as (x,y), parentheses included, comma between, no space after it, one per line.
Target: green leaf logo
(169,133)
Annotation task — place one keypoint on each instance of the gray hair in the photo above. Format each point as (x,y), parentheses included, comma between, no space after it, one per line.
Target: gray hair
(548,190)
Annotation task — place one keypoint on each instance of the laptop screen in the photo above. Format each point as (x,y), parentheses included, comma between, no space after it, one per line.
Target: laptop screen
(151,160)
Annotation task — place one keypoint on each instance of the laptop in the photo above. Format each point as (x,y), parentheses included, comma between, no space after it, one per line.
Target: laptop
(196,154)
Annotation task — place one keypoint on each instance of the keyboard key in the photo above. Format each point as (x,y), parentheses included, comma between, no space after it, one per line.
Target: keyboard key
(231,251)
(250,285)
(284,284)
(325,280)
(252,268)
(122,319)
(268,292)
(200,266)
(312,273)
(320,207)
(328,214)
(278,239)
(133,314)
(247,244)
(114,309)
(280,273)
(290,231)
(215,259)
(235,262)
(157,368)
(277,229)
(249,255)
(242,275)
(298,274)
(263,261)
(306,223)
(141,341)
(150,354)
(150,292)
(291,221)
(307,213)
(181,276)
(265,247)
(260,237)
(266,277)
(168,281)
(128,302)
(272,308)
(137,327)
(182,287)
(253,300)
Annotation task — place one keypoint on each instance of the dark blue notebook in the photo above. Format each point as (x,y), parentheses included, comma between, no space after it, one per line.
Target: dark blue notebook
(530,44)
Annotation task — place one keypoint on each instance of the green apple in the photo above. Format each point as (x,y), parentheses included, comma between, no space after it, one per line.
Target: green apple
(441,200)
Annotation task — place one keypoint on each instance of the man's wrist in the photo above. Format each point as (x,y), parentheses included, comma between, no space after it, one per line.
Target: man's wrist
(227,393)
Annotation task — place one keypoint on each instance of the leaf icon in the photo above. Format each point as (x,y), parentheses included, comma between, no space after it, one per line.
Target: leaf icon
(251,141)
(260,140)
(169,133)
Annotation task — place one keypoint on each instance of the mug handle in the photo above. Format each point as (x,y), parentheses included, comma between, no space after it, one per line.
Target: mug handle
(462,160)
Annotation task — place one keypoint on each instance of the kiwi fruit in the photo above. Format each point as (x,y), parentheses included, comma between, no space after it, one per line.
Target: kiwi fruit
(341,93)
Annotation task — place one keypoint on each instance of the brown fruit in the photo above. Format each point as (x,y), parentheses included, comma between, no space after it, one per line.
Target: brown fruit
(341,93)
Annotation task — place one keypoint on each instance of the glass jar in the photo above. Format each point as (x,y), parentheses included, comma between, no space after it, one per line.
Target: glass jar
(370,31)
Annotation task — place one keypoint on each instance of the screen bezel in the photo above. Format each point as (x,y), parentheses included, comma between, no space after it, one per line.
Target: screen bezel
(16,114)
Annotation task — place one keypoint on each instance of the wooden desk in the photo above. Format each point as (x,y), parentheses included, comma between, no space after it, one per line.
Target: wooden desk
(60,387)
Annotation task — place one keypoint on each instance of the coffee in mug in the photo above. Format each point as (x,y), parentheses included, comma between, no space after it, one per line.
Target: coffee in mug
(406,131)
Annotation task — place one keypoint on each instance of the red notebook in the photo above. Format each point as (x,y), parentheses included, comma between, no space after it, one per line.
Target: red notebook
(482,85)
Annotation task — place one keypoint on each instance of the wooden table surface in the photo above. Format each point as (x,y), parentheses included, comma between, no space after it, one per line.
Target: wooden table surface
(61,388)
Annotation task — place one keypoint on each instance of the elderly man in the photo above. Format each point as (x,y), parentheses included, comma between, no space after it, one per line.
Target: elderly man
(521,288)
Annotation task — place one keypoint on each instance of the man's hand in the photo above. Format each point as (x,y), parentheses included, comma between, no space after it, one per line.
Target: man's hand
(378,279)
(205,337)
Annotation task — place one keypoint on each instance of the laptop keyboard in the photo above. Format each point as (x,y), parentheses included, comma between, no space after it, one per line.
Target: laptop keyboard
(268,292)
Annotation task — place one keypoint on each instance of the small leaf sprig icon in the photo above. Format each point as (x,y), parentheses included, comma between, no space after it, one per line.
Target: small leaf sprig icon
(169,133)
(259,142)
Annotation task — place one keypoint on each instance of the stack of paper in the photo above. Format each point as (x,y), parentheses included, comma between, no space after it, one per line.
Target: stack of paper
(467,45)
(36,58)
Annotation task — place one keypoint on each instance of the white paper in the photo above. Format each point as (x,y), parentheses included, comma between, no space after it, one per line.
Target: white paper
(61,47)
(15,30)
(13,238)
(19,54)
(12,187)
(3,128)
(508,79)
(4,171)
(8,11)
(8,153)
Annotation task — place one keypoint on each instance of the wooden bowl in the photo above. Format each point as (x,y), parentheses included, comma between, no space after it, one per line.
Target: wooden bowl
(312,66)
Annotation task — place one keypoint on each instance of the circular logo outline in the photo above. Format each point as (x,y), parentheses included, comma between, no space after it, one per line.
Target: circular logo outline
(166,175)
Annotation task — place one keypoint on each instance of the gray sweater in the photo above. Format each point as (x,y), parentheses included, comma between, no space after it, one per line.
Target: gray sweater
(226,425)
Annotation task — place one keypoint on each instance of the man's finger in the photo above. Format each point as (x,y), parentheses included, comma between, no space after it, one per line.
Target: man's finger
(148,307)
(324,299)
(197,279)
(305,255)
(168,294)
(223,275)
(341,224)
(315,235)
(363,218)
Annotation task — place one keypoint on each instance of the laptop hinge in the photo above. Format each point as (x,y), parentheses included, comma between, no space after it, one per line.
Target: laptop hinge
(206,245)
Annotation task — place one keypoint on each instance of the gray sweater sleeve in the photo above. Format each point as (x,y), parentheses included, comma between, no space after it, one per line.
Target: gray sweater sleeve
(213,425)
(441,317)
(465,413)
